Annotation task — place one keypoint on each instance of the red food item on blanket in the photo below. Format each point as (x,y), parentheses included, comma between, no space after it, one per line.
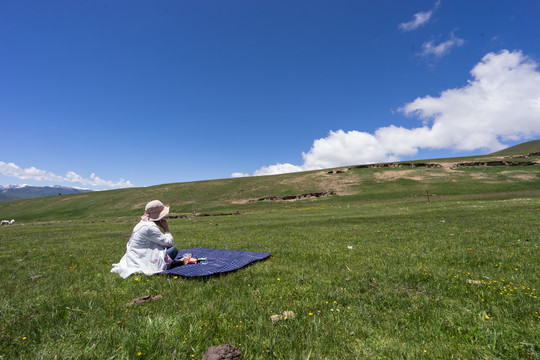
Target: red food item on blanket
(189,259)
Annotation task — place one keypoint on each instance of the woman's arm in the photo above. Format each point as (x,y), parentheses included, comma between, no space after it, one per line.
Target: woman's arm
(163,223)
(156,236)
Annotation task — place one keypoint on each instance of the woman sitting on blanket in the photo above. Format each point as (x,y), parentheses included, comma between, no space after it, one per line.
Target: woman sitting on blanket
(149,250)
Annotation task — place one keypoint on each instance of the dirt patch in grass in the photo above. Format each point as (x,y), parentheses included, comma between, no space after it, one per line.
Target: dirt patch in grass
(240,202)
(391,175)
(295,197)
(479,176)
(144,299)
(342,185)
(323,185)
(523,176)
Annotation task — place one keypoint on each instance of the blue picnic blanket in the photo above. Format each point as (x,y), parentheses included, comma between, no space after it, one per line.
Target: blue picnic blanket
(217,261)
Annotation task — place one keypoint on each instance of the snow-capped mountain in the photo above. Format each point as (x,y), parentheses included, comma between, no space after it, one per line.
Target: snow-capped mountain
(19,192)
(12,186)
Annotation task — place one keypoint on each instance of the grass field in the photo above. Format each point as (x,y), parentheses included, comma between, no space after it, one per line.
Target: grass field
(379,273)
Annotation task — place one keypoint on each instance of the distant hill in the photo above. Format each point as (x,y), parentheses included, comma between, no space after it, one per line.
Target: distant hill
(20,192)
(524,148)
(483,176)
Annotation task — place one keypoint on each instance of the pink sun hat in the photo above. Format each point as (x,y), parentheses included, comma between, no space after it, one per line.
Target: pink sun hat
(155,211)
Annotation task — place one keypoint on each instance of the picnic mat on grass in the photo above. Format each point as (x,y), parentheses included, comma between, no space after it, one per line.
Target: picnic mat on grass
(218,261)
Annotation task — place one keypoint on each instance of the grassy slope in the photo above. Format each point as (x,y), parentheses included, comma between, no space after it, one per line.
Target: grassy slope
(401,290)
(524,148)
(231,194)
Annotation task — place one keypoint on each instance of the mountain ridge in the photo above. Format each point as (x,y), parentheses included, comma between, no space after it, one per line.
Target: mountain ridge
(21,192)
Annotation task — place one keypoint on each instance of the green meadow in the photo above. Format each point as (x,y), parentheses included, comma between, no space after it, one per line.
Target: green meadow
(402,263)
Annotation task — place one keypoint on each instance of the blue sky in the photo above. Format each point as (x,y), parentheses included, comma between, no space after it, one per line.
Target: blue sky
(108,94)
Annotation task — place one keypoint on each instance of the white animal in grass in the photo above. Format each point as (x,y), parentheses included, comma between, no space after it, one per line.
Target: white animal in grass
(6,222)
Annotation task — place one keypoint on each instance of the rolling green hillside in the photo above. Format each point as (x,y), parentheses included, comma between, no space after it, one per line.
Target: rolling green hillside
(429,259)
(440,178)
(524,148)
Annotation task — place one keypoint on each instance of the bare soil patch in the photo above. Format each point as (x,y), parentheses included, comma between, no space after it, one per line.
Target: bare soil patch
(520,175)
(294,197)
(398,174)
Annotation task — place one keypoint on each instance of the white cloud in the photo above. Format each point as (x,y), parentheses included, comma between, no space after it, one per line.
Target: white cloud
(429,48)
(13,170)
(96,181)
(75,178)
(501,102)
(419,19)
(239,174)
(10,169)
(344,148)
(277,169)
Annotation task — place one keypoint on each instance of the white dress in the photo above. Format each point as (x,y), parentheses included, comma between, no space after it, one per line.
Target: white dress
(145,251)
